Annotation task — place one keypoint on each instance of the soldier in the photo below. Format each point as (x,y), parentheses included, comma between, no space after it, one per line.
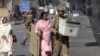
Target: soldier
(60,42)
(28,20)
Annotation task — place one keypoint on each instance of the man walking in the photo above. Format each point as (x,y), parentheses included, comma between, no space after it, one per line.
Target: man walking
(60,42)
(28,20)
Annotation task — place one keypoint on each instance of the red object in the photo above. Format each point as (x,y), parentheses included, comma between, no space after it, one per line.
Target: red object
(48,53)
(14,38)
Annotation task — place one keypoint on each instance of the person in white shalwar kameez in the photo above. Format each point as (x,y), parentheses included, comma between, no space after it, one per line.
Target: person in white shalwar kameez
(5,37)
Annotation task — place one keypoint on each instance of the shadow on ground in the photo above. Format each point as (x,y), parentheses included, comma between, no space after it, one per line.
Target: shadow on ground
(92,44)
(95,24)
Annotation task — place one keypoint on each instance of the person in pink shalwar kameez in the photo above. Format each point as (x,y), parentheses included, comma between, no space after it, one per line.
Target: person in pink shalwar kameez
(43,27)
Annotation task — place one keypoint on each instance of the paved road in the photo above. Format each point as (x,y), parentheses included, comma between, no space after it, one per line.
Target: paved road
(85,44)
(20,50)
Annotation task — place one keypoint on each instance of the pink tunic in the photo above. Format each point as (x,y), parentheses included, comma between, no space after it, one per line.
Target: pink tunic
(44,26)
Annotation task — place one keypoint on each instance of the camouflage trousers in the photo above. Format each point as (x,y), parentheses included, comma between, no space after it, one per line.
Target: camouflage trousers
(28,31)
(60,45)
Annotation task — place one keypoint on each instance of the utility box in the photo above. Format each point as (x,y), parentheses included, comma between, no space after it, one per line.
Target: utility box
(68,28)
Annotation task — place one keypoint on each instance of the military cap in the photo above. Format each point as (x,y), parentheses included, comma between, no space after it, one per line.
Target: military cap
(61,8)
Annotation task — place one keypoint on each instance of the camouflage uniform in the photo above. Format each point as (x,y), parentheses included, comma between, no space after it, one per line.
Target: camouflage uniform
(60,43)
(28,21)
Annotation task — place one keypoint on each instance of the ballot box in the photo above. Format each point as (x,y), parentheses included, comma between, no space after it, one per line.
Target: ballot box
(68,27)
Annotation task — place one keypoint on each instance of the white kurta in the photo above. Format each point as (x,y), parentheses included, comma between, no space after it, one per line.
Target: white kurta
(5,44)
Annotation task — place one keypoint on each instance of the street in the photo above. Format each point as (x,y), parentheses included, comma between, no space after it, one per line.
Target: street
(85,44)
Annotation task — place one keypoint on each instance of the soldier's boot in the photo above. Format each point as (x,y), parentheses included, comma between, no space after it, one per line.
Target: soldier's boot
(32,55)
(24,42)
(25,38)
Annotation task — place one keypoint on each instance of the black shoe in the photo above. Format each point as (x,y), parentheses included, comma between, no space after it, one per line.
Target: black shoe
(10,55)
(32,55)
(23,44)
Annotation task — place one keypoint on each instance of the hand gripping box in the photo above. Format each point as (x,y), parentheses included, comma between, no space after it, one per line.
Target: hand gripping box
(68,28)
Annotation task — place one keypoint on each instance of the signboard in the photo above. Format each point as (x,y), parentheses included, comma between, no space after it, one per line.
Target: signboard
(51,11)
(24,6)
(4,12)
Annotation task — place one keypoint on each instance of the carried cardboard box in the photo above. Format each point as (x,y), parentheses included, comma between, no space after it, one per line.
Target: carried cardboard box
(68,27)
